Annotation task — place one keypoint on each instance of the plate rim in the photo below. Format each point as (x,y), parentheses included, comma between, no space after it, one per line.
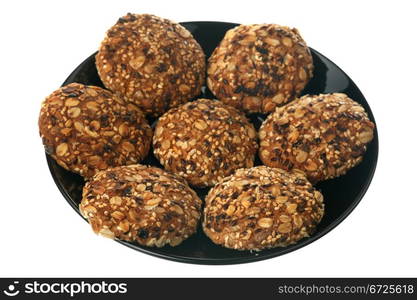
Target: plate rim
(238,260)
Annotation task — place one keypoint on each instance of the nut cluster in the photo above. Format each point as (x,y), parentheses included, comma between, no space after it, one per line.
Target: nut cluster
(259,67)
(152,62)
(86,129)
(322,135)
(260,208)
(155,67)
(142,204)
(204,141)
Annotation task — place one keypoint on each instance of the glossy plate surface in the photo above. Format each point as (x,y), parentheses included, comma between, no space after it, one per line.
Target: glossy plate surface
(341,194)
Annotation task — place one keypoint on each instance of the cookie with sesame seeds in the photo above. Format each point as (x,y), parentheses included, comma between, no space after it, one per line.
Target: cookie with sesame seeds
(152,62)
(259,67)
(261,208)
(204,141)
(322,135)
(142,204)
(87,128)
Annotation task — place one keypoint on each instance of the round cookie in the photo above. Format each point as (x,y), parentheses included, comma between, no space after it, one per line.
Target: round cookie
(86,129)
(323,135)
(259,67)
(152,62)
(142,204)
(204,141)
(261,208)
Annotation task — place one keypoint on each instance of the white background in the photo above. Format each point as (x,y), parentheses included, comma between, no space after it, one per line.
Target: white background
(43,41)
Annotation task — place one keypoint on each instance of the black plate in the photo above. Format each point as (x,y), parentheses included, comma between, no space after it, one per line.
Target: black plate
(341,195)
